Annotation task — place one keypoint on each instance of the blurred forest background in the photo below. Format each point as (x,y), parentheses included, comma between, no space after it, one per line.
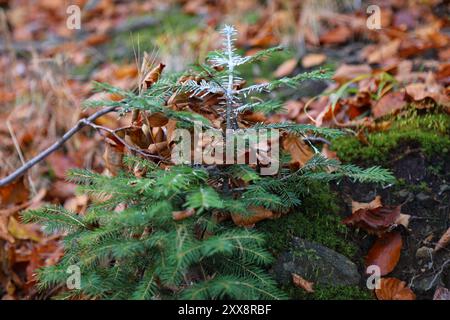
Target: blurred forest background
(400,68)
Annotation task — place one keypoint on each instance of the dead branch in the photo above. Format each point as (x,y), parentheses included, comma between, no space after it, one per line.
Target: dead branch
(44,154)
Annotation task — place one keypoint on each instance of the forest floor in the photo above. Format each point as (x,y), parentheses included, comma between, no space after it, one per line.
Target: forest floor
(389,92)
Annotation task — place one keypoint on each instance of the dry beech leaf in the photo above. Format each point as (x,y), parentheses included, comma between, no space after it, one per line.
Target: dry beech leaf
(337,35)
(286,68)
(300,152)
(157,119)
(293,108)
(257,214)
(443,241)
(441,293)
(348,72)
(171,127)
(327,153)
(14,193)
(23,231)
(300,282)
(218,216)
(79,203)
(184,214)
(375,203)
(4,233)
(254,116)
(96,39)
(394,289)
(113,156)
(6,97)
(159,147)
(420,91)
(115,97)
(403,220)
(384,51)
(385,252)
(313,59)
(374,221)
(126,71)
(158,134)
(389,103)
(135,136)
(153,76)
(35,202)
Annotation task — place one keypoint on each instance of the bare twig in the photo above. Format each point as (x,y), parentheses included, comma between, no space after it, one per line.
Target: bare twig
(113,133)
(44,154)
(436,276)
(316,139)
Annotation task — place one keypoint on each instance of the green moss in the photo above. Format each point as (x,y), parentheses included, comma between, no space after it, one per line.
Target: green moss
(342,293)
(322,292)
(431,131)
(316,220)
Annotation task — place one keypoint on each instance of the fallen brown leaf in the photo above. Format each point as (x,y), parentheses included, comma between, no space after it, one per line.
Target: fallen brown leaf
(113,156)
(153,76)
(403,220)
(79,203)
(27,204)
(14,193)
(184,214)
(257,214)
(337,35)
(420,91)
(4,233)
(394,289)
(126,71)
(375,203)
(441,293)
(23,231)
(443,241)
(348,72)
(96,39)
(286,68)
(384,51)
(389,103)
(157,119)
(300,282)
(385,253)
(374,220)
(313,59)
(300,152)
(327,153)
(155,148)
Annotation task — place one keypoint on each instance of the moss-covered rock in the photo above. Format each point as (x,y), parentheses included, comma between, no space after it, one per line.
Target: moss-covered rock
(316,263)
(430,132)
(316,220)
